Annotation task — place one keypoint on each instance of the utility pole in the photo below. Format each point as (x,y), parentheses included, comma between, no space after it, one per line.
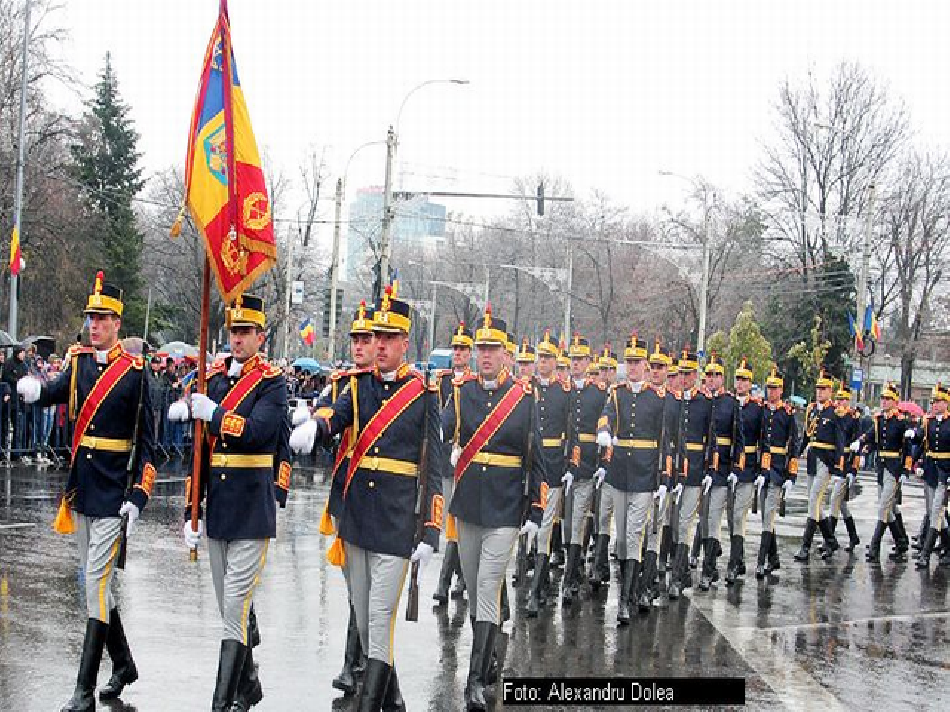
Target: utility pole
(21,151)
(290,286)
(704,284)
(385,241)
(435,286)
(862,295)
(335,269)
(567,293)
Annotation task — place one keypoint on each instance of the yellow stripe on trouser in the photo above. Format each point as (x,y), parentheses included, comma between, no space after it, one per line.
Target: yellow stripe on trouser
(392,618)
(250,593)
(104,581)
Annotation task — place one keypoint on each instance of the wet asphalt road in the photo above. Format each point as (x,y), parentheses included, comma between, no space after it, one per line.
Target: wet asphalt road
(828,636)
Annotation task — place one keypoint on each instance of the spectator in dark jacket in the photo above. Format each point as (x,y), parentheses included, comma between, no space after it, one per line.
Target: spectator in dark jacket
(13,370)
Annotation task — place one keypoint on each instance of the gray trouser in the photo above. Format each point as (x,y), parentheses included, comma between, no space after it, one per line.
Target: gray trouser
(887,498)
(839,507)
(718,498)
(605,512)
(634,510)
(448,489)
(745,491)
(935,497)
(773,495)
(547,521)
(689,509)
(98,542)
(817,489)
(567,517)
(583,498)
(236,568)
(376,582)
(484,553)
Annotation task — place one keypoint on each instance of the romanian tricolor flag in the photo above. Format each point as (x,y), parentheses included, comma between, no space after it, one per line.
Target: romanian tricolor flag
(307,334)
(15,256)
(224,184)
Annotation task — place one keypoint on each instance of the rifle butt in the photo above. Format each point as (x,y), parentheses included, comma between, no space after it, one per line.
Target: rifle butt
(412,602)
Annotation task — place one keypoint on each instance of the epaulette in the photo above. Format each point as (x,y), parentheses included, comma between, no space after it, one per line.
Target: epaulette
(526,385)
(215,369)
(338,374)
(270,370)
(443,372)
(676,394)
(756,399)
(465,378)
(77,349)
(347,372)
(789,408)
(138,363)
(843,410)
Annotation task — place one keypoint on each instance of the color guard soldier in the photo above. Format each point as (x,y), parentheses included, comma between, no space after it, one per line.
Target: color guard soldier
(111,413)
(750,479)
(560,535)
(779,466)
(887,438)
(693,429)
(525,360)
(553,399)
(726,446)
(602,510)
(587,404)
(462,343)
(823,446)
(933,464)
(633,432)
(674,387)
(393,412)
(244,475)
(843,482)
(499,473)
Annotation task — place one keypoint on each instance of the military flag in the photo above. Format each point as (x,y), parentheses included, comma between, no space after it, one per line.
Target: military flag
(307,334)
(15,256)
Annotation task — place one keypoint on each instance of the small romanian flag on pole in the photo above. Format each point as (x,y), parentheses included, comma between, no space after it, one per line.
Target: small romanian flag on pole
(307,334)
(15,256)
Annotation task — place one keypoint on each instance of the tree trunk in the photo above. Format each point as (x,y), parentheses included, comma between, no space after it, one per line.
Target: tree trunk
(907,374)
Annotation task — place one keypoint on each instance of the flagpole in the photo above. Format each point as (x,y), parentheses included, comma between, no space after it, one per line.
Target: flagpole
(18,200)
(198,443)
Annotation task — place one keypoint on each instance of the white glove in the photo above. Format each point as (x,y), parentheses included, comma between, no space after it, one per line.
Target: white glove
(178,412)
(909,433)
(677,491)
(732,479)
(759,481)
(567,480)
(132,511)
(422,554)
(202,407)
(530,530)
(707,483)
(300,415)
(787,486)
(855,446)
(614,440)
(904,479)
(29,387)
(850,480)
(302,437)
(456,453)
(192,537)
(599,476)
(660,494)
(604,439)
(919,472)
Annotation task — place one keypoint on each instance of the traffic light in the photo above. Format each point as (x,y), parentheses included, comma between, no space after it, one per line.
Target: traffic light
(541,198)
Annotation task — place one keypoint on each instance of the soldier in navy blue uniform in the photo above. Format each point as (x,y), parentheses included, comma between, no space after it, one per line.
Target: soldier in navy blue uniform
(394,412)
(726,447)
(586,404)
(635,434)
(560,534)
(778,447)
(245,474)
(692,430)
(103,386)
(823,445)
(886,438)
(842,482)
(749,478)
(932,439)
(525,360)
(553,399)
(499,471)
(462,343)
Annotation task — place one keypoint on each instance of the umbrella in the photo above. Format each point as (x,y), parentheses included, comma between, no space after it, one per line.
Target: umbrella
(45,345)
(133,344)
(797,401)
(307,364)
(911,408)
(178,350)
(6,341)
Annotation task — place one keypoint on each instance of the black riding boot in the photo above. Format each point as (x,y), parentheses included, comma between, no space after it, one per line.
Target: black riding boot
(647,574)
(697,545)
(569,582)
(774,563)
(927,549)
(810,526)
(709,564)
(827,528)
(853,539)
(679,570)
(945,543)
(736,544)
(874,548)
(901,542)
(346,680)
(475,685)
(249,690)
(600,571)
(392,697)
(505,608)
(123,667)
(230,665)
(537,583)
(375,682)
(441,594)
(765,544)
(557,546)
(629,572)
(84,697)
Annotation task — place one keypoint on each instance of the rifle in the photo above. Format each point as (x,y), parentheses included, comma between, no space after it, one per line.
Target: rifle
(130,465)
(660,470)
(412,600)
(527,461)
(711,458)
(792,433)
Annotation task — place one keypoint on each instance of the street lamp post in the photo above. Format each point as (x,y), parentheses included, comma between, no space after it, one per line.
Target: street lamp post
(392,141)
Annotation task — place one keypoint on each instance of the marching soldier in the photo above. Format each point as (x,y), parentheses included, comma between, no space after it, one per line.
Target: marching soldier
(396,420)
(560,535)
(462,343)
(933,464)
(843,482)
(112,415)
(636,447)
(608,366)
(245,409)
(750,479)
(525,360)
(779,467)
(887,438)
(499,473)
(553,399)
(674,387)
(674,379)
(726,446)
(587,404)
(511,351)
(602,509)
(693,430)
(823,446)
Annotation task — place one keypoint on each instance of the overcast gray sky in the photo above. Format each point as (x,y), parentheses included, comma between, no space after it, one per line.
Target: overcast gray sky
(602,93)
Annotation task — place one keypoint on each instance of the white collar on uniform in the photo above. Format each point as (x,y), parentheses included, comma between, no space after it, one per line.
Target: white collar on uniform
(579,383)
(489,385)
(544,381)
(388,376)
(102,356)
(235,368)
